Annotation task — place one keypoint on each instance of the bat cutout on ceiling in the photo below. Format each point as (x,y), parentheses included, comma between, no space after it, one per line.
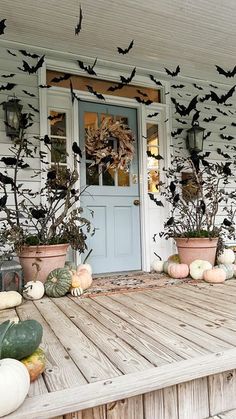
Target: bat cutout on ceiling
(197,87)
(183,110)
(2,26)
(222,112)
(222,99)
(79,24)
(11,53)
(173,73)
(226,137)
(8,86)
(66,76)
(28,54)
(229,73)
(28,93)
(143,101)
(178,131)
(154,156)
(88,68)
(126,50)
(32,69)
(181,121)
(178,86)
(152,115)
(211,118)
(7,76)
(127,80)
(98,95)
(157,202)
(158,83)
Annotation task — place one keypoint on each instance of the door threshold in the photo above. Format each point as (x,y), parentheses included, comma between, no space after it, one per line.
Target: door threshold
(120,273)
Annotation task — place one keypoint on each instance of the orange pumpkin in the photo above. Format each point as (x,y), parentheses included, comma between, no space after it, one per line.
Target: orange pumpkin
(75,281)
(85,279)
(35,363)
(214,276)
(178,270)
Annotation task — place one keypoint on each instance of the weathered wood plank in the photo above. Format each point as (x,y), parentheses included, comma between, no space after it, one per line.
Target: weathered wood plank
(131,408)
(95,413)
(89,359)
(153,404)
(170,402)
(222,390)
(193,399)
(228,415)
(118,388)
(8,314)
(122,355)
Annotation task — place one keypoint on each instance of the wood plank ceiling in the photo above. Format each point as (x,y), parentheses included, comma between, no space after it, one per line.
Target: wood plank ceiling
(195,34)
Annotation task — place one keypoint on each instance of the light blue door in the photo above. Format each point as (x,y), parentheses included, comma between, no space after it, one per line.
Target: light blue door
(112,196)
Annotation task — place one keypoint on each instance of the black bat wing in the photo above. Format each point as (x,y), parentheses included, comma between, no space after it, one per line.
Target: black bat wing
(158,83)
(116,87)
(144,102)
(79,25)
(128,80)
(230,73)
(197,87)
(173,73)
(8,86)
(28,93)
(157,202)
(7,76)
(66,76)
(33,108)
(211,118)
(98,95)
(151,115)
(126,50)
(2,26)
(28,54)
(11,53)
(178,86)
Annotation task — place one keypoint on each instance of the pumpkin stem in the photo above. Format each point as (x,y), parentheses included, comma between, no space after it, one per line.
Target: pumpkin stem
(54,279)
(159,257)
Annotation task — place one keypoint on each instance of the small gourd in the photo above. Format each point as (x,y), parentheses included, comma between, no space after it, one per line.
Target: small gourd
(85,266)
(9,299)
(166,266)
(178,270)
(174,258)
(215,275)
(197,268)
(33,290)
(157,265)
(227,256)
(14,385)
(228,268)
(35,363)
(58,282)
(76,292)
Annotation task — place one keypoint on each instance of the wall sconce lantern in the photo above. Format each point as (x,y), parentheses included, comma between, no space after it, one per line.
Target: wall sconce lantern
(10,276)
(195,138)
(12,110)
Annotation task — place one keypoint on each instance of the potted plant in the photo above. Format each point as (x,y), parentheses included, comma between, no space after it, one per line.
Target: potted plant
(40,225)
(197,191)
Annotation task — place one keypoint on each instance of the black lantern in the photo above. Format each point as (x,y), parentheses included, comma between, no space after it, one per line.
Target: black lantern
(12,110)
(195,138)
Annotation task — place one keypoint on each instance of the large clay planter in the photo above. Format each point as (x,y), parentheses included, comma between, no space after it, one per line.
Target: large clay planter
(47,257)
(196,248)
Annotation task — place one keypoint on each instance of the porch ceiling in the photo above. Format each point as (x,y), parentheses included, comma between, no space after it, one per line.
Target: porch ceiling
(195,34)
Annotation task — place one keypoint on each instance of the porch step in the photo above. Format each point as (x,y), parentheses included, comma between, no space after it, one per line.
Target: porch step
(230,414)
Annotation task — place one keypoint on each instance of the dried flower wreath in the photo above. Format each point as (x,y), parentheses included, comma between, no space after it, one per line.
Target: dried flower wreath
(103,150)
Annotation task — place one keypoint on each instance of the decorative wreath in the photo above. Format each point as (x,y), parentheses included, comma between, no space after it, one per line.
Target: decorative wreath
(100,145)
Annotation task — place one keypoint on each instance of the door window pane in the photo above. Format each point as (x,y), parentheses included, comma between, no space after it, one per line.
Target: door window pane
(108,177)
(123,177)
(58,123)
(152,157)
(58,150)
(92,174)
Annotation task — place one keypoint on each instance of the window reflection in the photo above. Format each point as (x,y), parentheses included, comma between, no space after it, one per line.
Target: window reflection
(152,161)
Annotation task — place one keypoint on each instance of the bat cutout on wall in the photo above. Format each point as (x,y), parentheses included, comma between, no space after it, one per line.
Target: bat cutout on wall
(233,124)
(152,115)
(222,99)
(28,93)
(208,133)
(178,131)
(178,86)
(181,121)
(127,80)
(212,85)
(226,137)
(79,24)
(7,76)
(143,101)
(221,129)
(88,68)
(229,73)
(126,50)
(195,117)
(11,53)
(158,83)
(2,26)
(221,153)
(222,112)
(211,118)
(142,93)
(154,156)
(45,86)
(8,86)
(28,54)
(33,108)
(157,202)
(197,87)
(173,73)
(98,95)
(184,110)
(66,76)
(32,69)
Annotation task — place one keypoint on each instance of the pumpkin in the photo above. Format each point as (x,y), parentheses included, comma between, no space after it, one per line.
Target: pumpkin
(197,267)
(75,281)
(85,279)
(58,282)
(76,292)
(33,290)
(18,340)
(228,268)
(227,256)
(166,265)
(9,299)
(85,266)
(14,385)
(157,265)
(215,275)
(178,270)
(35,363)
(174,258)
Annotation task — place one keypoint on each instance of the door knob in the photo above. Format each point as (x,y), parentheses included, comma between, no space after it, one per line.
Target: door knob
(136,202)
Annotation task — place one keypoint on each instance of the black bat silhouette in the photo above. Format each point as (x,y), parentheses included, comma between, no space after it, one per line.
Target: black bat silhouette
(221,129)
(173,73)
(185,110)
(32,69)
(28,54)
(225,155)
(176,132)
(2,26)
(195,117)
(3,201)
(8,86)
(157,202)
(222,112)
(126,50)
(233,124)
(66,76)
(7,76)
(45,86)
(127,80)
(11,53)
(116,87)
(28,93)
(230,73)
(158,83)
(181,121)
(143,101)
(226,137)
(155,156)
(98,95)
(79,24)
(151,115)
(204,98)
(211,118)
(197,87)
(11,161)
(222,99)
(33,108)
(212,85)
(89,68)
(178,86)
(179,95)
(6,180)
(206,135)
(142,93)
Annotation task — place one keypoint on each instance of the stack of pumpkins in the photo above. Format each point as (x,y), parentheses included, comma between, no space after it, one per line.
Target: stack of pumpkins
(199,269)
(21,361)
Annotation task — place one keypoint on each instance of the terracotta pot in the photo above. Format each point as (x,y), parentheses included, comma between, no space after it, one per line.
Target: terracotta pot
(196,248)
(47,257)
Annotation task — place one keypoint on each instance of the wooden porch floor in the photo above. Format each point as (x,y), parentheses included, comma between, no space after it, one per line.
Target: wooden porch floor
(147,346)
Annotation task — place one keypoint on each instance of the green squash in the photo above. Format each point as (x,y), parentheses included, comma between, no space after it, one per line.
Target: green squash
(19,340)
(58,282)
(228,268)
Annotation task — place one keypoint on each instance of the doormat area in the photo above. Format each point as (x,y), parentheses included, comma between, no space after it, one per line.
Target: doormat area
(132,282)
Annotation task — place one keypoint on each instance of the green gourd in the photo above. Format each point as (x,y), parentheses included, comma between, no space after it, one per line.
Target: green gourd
(19,340)
(228,268)
(58,282)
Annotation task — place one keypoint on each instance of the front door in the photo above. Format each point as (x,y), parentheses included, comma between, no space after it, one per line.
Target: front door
(112,196)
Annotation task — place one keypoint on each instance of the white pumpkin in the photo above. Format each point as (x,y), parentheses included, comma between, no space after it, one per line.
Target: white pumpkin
(14,385)
(227,256)
(197,268)
(9,299)
(85,266)
(33,290)
(157,265)
(76,292)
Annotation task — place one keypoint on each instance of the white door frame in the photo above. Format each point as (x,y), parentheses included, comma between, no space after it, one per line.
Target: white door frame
(163,120)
